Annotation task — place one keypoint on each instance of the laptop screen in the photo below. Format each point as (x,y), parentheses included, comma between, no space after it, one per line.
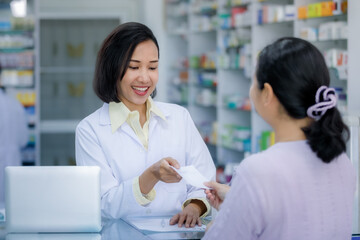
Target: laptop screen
(52,199)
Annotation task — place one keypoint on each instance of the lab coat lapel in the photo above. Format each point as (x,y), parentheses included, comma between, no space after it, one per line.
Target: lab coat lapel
(130,132)
(152,124)
(156,120)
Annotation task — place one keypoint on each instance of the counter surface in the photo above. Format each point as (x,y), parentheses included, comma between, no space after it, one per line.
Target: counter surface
(112,229)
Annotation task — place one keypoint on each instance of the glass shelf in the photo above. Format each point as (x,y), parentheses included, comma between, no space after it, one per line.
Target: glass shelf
(197,85)
(59,126)
(232,148)
(235,28)
(204,69)
(17,68)
(184,104)
(179,32)
(275,23)
(205,106)
(237,109)
(66,69)
(15,49)
(327,18)
(204,31)
(18,87)
(17,31)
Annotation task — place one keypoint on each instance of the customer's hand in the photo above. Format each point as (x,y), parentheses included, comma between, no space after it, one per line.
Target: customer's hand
(163,172)
(190,216)
(216,194)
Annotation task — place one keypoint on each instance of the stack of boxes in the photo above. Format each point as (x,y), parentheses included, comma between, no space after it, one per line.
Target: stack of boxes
(322,9)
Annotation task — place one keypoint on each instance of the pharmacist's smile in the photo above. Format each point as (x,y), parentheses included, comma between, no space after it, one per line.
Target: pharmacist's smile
(140,90)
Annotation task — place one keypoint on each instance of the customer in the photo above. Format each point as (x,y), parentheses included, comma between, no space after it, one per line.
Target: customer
(136,140)
(303,186)
(13,134)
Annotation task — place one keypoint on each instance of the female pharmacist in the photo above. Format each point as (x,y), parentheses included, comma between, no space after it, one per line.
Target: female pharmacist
(303,186)
(136,140)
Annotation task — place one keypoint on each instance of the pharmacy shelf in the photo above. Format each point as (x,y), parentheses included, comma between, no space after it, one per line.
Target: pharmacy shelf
(230,81)
(79,16)
(17,68)
(327,18)
(18,73)
(234,80)
(177,52)
(69,44)
(15,49)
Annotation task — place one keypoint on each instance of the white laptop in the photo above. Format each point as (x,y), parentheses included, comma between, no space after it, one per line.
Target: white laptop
(52,199)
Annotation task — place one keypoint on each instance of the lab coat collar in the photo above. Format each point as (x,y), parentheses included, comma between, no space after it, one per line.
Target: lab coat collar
(158,111)
(118,114)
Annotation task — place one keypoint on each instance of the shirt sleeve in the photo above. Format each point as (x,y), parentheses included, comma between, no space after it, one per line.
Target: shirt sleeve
(241,214)
(142,199)
(207,204)
(117,198)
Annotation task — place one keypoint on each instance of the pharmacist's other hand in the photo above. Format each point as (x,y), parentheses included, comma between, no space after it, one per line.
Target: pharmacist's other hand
(216,194)
(189,216)
(163,172)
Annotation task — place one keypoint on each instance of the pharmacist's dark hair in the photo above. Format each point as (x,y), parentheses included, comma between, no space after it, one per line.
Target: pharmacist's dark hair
(114,56)
(296,69)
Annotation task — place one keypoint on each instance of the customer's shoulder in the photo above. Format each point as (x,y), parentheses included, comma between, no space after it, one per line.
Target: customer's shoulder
(261,161)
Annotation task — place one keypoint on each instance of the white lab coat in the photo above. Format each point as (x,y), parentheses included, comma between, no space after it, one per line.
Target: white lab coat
(122,157)
(13,135)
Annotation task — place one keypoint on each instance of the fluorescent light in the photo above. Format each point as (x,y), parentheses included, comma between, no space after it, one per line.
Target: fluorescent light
(18,8)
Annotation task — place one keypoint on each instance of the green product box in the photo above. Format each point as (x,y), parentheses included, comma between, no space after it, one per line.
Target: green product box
(265,140)
(312,10)
(194,62)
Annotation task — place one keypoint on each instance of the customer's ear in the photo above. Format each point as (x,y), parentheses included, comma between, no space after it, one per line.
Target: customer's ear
(267,94)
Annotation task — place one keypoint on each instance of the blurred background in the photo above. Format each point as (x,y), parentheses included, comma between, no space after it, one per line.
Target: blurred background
(208,51)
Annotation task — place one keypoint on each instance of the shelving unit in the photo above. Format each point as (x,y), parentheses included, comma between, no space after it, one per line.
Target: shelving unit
(17,58)
(178,64)
(235,31)
(234,50)
(243,28)
(203,70)
(272,30)
(191,62)
(68,51)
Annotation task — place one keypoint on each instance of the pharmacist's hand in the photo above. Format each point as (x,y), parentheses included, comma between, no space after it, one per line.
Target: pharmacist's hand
(216,194)
(190,216)
(163,172)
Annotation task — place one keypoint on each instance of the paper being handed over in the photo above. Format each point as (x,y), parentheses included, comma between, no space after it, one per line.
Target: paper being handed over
(192,176)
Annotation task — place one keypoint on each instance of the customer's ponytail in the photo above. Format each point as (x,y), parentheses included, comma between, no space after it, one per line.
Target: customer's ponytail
(327,136)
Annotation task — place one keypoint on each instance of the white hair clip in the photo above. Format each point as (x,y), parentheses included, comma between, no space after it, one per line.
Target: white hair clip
(327,101)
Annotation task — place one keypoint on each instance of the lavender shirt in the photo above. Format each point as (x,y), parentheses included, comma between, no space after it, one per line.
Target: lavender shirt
(287,192)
